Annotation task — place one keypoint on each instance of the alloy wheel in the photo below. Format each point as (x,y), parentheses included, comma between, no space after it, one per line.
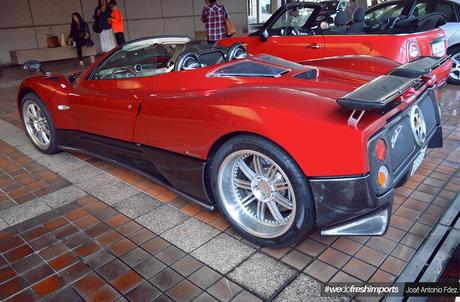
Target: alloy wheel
(256,193)
(455,71)
(36,124)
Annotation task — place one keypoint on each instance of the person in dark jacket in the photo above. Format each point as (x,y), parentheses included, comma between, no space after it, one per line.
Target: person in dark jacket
(80,34)
(101,16)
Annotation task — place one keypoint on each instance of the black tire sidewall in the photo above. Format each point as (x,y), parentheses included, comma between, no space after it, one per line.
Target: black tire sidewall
(305,215)
(52,148)
(453,51)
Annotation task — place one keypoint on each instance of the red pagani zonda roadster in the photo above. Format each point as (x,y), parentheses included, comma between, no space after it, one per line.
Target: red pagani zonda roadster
(280,148)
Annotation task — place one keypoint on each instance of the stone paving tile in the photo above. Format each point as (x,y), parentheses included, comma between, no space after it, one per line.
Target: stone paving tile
(113,193)
(63,196)
(137,205)
(82,173)
(275,275)
(190,234)
(305,288)
(92,185)
(162,219)
(223,253)
(224,290)
(24,211)
(3,224)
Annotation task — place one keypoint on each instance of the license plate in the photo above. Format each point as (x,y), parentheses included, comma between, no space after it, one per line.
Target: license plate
(418,161)
(438,49)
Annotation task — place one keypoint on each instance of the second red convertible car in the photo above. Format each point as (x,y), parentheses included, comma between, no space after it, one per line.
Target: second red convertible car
(280,148)
(291,34)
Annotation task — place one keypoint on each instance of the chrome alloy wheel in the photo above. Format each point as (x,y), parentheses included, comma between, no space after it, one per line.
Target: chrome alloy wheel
(256,193)
(36,124)
(455,71)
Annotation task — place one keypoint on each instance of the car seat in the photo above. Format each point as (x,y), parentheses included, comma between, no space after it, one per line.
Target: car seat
(357,27)
(431,21)
(339,24)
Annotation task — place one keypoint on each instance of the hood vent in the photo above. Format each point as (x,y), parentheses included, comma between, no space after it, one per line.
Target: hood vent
(307,75)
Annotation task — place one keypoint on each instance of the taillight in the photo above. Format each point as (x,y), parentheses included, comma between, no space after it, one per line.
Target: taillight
(381,150)
(413,50)
(383,177)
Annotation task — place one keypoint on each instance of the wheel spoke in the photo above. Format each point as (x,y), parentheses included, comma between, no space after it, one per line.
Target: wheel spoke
(246,170)
(33,111)
(272,171)
(44,137)
(258,165)
(284,202)
(281,186)
(260,210)
(243,184)
(29,115)
(248,199)
(275,211)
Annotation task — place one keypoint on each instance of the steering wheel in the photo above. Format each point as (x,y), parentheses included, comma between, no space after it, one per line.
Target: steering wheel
(291,31)
(127,70)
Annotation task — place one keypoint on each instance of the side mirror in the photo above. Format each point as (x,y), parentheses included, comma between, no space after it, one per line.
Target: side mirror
(263,35)
(32,66)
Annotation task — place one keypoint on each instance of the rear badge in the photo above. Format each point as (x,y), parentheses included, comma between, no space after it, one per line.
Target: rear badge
(417,122)
(395,136)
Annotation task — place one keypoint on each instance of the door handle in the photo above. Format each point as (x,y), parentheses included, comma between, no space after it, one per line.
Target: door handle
(314,46)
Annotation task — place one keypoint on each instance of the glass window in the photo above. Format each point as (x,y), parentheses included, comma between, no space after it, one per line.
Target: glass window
(423,8)
(384,12)
(134,62)
(250,69)
(296,17)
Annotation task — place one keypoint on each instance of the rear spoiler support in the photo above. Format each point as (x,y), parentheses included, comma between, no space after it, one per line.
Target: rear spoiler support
(355,117)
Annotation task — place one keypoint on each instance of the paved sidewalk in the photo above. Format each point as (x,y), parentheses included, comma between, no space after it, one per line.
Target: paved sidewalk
(75,226)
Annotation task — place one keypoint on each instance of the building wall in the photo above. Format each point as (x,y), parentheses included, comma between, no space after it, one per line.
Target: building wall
(24,24)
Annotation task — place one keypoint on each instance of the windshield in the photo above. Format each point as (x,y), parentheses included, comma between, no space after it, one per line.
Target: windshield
(294,17)
(384,12)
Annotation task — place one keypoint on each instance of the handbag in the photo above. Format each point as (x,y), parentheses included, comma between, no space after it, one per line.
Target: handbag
(229,27)
(52,40)
(97,28)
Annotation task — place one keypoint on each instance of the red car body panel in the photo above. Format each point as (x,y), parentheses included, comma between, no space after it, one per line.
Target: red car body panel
(187,112)
(298,48)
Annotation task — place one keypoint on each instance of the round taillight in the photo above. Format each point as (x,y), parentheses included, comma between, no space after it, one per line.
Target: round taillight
(383,177)
(381,150)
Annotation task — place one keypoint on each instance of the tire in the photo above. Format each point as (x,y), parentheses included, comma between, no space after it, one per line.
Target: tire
(38,124)
(454,77)
(249,205)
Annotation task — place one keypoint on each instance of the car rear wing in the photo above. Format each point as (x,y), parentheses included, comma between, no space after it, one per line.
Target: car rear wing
(380,92)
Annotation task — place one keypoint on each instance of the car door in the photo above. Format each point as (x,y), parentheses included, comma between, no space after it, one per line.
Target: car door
(288,34)
(108,101)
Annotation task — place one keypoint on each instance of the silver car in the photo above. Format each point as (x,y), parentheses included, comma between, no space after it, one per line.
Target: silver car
(419,8)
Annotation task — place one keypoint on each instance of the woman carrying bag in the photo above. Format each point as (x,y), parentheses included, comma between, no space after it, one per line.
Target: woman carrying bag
(80,35)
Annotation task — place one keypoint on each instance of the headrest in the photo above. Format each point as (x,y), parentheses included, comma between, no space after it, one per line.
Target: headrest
(340,18)
(359,15)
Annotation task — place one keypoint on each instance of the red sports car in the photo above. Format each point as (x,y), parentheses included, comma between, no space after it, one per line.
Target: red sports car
(280,148)
(292,33)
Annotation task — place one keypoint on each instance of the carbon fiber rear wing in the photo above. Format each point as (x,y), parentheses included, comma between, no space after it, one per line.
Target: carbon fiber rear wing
(380,92)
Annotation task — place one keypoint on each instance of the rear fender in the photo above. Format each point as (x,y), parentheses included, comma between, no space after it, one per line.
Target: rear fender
(367,64)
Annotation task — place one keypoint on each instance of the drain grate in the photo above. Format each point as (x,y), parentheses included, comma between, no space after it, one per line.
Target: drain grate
(429,262)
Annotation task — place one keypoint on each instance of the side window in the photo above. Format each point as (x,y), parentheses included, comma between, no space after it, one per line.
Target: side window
(383,13)
(296,17)
(135,62)
(425,7)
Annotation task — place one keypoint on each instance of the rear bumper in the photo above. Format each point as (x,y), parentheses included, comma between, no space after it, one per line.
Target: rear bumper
(442,73)
(350,205)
